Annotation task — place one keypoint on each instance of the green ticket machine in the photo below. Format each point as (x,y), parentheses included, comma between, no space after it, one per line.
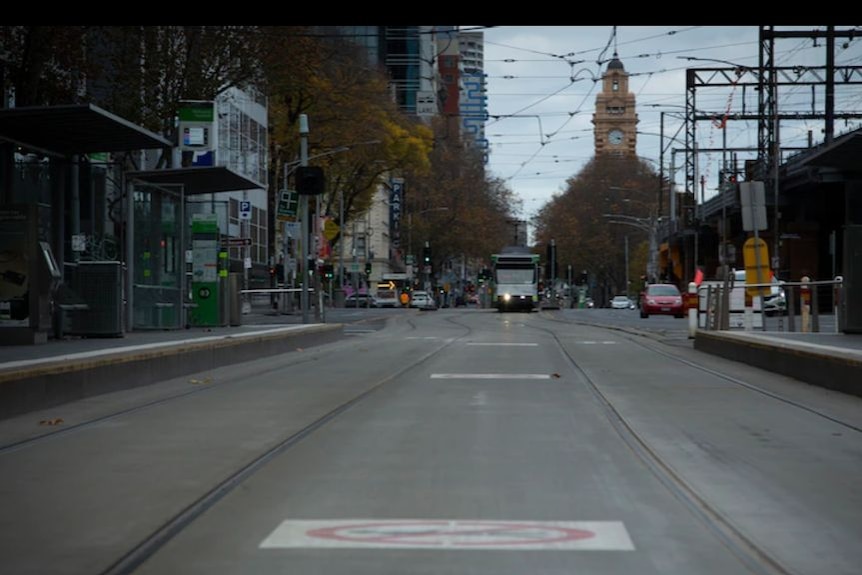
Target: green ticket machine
(209,272)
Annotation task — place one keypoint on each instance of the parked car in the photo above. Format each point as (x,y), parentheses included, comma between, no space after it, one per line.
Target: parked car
(387,298)
(422,300)
(361,300)
(622,302)
(661,299)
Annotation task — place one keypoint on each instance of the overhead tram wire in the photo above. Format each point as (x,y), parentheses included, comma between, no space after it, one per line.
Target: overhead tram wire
(552,134)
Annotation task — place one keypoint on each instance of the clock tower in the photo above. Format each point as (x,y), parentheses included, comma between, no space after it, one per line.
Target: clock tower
(615,119)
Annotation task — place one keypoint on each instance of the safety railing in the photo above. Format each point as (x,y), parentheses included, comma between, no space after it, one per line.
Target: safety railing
(799,306)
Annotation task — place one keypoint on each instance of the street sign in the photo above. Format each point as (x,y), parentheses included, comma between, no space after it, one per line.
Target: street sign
(752,201)
(330,229)
(288,202)
(386,285)
(244,210)
(756,256)
(235,242)
(292,229)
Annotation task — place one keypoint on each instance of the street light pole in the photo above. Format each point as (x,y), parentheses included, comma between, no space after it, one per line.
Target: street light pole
(303,207)
(650,226)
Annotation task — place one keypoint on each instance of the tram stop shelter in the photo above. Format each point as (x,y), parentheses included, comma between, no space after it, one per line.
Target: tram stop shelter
(38,222)
(162,246)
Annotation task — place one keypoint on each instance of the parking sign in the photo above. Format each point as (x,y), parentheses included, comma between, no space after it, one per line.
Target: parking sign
(244,210)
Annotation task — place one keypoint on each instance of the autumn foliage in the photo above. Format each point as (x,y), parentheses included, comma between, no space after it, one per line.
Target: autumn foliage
(585,237)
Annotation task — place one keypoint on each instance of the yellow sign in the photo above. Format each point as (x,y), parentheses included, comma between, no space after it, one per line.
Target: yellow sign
(330,229)
(755,254)
(388,285)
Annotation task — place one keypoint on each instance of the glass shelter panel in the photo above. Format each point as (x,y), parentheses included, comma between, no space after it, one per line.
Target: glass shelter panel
(158,275)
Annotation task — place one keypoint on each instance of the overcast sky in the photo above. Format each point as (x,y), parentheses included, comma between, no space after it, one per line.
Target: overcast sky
(529,71)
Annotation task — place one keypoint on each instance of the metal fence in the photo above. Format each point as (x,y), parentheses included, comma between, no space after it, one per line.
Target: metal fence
(812,306)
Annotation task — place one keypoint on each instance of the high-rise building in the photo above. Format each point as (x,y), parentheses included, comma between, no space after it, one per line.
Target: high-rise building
(408,54)
(473,104)
(615,119)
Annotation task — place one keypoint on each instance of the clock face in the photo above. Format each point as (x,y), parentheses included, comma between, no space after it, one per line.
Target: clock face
(615,137)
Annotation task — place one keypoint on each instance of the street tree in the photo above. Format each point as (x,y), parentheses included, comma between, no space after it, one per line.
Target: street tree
(585,237)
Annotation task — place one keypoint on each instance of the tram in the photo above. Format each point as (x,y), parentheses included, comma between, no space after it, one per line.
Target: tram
(515,279)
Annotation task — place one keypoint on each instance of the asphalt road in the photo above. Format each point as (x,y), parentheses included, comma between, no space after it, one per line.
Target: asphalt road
(447,442)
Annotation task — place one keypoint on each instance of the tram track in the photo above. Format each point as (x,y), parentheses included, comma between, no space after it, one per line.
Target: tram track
(178,522)
(753,556)
(211,383)
(659,348)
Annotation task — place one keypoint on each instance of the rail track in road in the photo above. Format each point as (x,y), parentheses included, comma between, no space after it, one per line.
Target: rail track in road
(160,536)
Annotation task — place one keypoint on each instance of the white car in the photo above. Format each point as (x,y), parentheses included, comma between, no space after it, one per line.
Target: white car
(622,302)
(422,300)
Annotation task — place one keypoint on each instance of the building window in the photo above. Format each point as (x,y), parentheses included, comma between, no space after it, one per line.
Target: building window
(615,86)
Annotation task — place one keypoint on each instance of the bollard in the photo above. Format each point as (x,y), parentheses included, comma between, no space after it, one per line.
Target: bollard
(836,302)
(748,313)
(692,310)
(805,304)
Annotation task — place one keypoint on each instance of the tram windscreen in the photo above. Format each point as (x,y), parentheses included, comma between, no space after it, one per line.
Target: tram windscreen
(511,276)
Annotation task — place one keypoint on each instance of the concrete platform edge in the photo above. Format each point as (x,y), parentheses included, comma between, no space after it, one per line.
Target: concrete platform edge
(836,369)
(55,382)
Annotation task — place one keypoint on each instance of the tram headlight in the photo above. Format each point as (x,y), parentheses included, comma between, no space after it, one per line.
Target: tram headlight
(506,297)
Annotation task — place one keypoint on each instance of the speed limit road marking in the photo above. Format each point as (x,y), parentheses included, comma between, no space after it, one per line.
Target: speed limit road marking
(450,534)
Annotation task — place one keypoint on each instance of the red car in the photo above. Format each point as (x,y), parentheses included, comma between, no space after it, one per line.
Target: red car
(663,299)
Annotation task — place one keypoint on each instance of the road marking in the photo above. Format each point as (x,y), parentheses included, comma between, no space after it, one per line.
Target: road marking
(479,400)
(506,344)
(450,534)
(596,342)
(490,376)
(420,337)
(348,330)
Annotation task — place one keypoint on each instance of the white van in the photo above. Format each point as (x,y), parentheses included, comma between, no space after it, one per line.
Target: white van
(774,303)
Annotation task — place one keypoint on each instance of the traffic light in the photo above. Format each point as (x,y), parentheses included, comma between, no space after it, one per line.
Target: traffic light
(426,255)
(368,268)
(328,271)
(309,180)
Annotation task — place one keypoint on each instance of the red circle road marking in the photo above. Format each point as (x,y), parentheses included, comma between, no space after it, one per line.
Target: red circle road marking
(425,532)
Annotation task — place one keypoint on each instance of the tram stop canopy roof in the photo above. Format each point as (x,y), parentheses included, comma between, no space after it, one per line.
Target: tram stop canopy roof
(196,180)
(74,129)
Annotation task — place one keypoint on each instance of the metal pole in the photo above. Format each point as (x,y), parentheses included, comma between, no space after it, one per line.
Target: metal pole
(695,213)
(303,207)
(181,312)
(285,298)
(341,238)
(723,194)
(776,162)
(130,252)
(627,265)
(318,292)
(660,164)
(653,249)
(672,195)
